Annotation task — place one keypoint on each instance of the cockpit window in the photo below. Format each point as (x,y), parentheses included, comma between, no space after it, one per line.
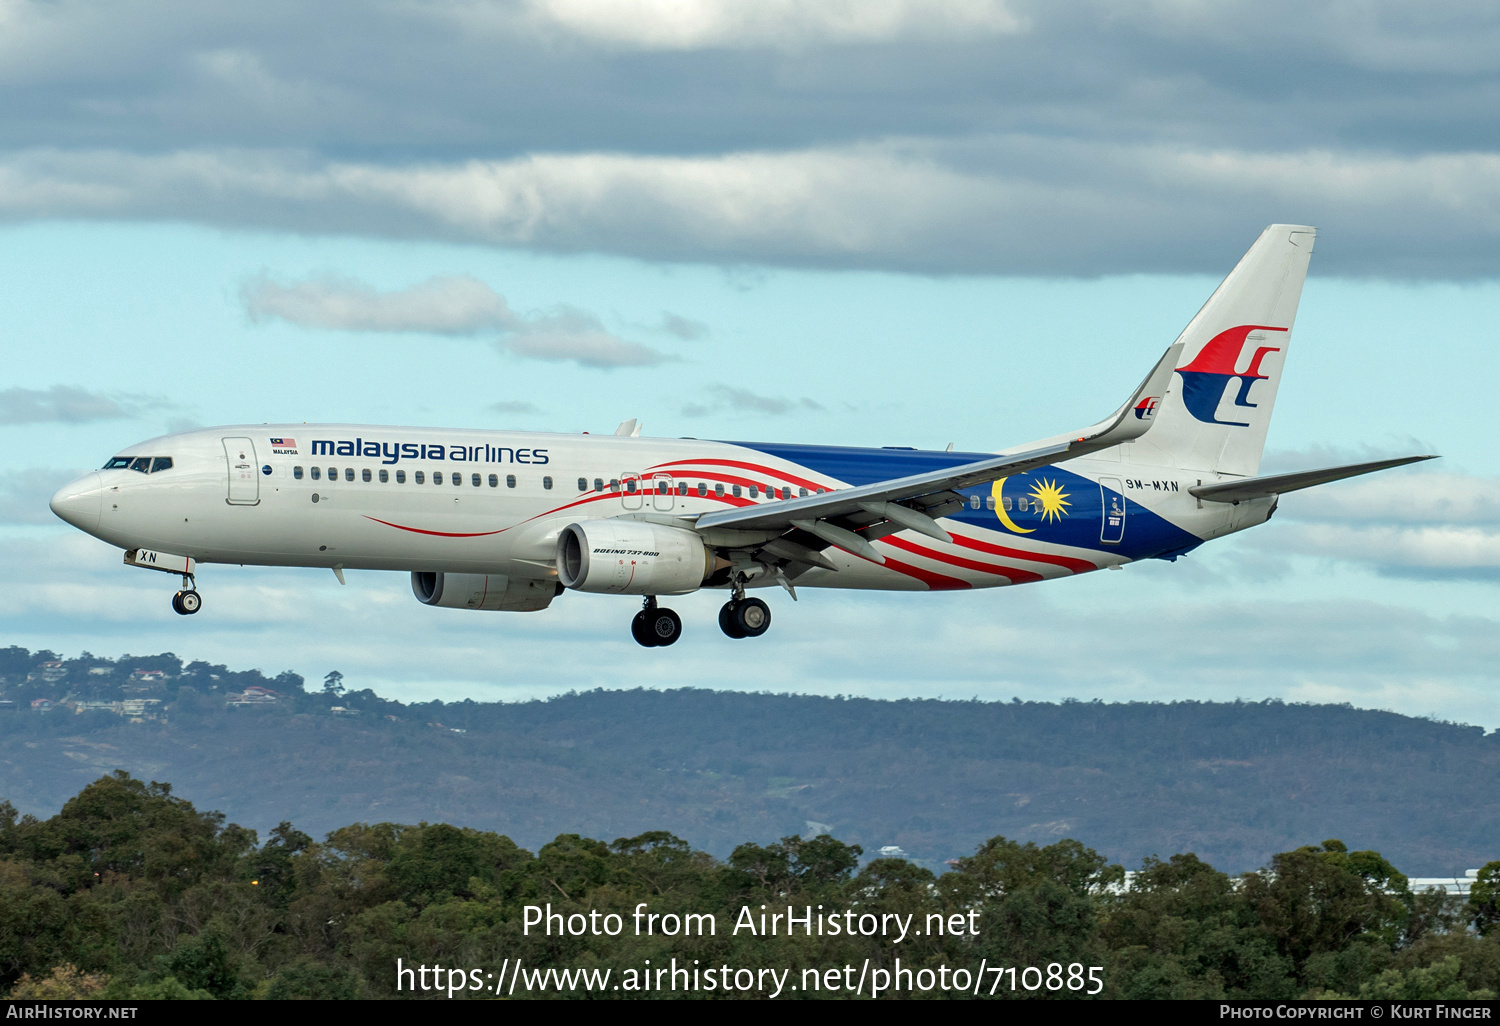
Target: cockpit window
(141,464)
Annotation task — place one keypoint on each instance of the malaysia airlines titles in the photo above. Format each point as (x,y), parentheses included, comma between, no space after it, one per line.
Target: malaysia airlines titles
(394,452)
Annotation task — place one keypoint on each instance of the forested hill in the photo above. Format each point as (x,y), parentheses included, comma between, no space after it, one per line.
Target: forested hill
(1233,782)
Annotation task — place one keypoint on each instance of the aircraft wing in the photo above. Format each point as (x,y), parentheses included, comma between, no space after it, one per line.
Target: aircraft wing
(1279,484)
(912,502)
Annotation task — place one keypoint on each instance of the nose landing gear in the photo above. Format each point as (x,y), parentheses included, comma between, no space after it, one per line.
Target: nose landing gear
(187,601)
(655,627)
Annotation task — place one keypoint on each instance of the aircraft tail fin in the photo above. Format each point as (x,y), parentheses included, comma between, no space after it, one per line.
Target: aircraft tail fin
(1214,415)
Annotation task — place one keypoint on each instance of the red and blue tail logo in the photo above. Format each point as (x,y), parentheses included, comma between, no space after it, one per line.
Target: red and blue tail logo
(1146,407)
(1203,379)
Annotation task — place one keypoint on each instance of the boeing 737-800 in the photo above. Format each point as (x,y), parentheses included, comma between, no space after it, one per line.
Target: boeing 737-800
(497,520)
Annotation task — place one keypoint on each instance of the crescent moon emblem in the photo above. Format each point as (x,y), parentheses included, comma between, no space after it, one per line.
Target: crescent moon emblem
(1010,525)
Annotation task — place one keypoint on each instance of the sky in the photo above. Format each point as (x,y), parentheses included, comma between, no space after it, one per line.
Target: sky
(893,222)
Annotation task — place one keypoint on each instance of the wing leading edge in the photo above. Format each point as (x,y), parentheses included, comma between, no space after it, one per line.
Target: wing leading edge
(920,497)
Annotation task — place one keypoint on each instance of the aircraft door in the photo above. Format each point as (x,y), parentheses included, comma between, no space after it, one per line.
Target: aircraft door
(244,475)
(1112,498)
(631,494)
(662,496)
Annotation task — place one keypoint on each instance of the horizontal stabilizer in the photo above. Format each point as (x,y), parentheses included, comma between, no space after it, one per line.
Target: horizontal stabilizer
(1280,484)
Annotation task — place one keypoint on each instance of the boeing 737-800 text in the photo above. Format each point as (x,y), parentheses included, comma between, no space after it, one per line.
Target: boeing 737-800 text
(498,520)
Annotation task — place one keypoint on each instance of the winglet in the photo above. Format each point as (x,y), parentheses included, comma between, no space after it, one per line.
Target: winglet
(1135,418)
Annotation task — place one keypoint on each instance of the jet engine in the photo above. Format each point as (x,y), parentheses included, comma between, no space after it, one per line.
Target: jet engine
(631,557)
(484,591)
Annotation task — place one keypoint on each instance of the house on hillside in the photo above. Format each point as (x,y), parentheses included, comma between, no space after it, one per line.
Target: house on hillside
(140,709)
(50,671)
(149,676)
(101,671)
(41,705)
(253,695)
(96,706)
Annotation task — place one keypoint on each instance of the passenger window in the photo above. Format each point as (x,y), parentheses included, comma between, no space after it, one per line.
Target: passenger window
(333,473)
(385,476)
(973,502)
(418,477)
(583,484)
(736,490)
(681,487)
(437,477)
(802,493)
(614,484)
(989,502)
(315,472)
(719,490)
(702,488)
(161,463)
(547,483)
(1006,503)
(142,464)
(117,463)
(494,480)
(1022,504)
(510,480)
(630,487)
(475,481)
(297,473)
(348,473)
(365,475)
(754,492)
(598,484)
(661,488)
(401,477)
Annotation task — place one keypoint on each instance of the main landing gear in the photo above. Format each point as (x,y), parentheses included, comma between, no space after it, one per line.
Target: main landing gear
(654,626)
(187,601)
(743,617)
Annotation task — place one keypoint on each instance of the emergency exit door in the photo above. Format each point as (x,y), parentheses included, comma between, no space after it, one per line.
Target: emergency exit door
(1112,497)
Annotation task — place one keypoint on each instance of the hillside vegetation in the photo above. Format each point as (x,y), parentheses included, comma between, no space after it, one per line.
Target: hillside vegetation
(1235,782)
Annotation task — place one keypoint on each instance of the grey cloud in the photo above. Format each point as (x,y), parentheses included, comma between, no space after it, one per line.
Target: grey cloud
(24,494)
(726,399)
(1073,137)
(684,328)
(61,403)
(459,305)
(443,306)
(1040,206)
(576,335)
(515,406)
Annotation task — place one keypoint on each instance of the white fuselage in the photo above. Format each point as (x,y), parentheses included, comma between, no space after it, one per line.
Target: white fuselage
(494,502)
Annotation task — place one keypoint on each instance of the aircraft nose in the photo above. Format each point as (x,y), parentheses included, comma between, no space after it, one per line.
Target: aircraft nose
(80,501)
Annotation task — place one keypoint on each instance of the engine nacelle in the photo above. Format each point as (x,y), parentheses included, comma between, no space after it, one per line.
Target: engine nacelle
(484,591)
(631,557)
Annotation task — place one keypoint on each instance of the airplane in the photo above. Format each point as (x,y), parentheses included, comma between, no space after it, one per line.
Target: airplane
(506,520)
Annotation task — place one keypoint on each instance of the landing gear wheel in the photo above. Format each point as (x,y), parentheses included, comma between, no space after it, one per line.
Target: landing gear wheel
(752,617)
(640,630)
(727,621)
(664,625)
(187,602)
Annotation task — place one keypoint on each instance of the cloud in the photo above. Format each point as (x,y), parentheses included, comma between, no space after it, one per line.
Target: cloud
(1004,204)
(459,305)
(781,24)
(24,494)
(569,334)
(683,327)
(62,403)
(726,399)
(515,406)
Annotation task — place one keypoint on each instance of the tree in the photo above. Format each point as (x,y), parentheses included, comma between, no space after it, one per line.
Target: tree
(333,684)
(1484,900)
